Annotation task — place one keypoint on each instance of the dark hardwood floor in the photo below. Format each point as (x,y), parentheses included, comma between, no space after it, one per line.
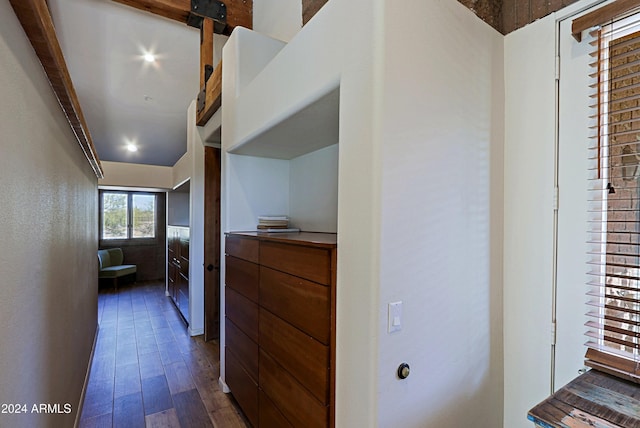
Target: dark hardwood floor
(148,372)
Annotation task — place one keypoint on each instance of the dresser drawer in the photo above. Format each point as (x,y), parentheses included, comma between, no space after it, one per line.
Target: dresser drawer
(242,248)
(242,347)
(302,303)
(303,357)
(184,248)
(310,263)
(243,388)
(184,267)
(270,416)
(293,400)
(242,276)
(243,312)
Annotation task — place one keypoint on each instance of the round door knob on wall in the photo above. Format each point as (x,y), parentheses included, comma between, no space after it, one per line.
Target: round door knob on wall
(403,371)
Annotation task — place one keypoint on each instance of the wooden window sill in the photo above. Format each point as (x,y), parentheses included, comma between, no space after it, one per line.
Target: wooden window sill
(593,399)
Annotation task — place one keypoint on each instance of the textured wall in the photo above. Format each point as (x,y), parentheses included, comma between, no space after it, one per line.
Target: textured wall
(509,15)
(48,218)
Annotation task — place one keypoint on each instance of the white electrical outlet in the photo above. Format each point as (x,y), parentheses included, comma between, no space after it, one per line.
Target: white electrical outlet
(395,317)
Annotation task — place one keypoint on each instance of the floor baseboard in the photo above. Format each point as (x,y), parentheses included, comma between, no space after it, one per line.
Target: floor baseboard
(223,386)
(76,423)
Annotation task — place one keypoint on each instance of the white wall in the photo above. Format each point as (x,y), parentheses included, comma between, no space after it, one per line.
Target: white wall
(196,224)
(441,210)
(49,221)
(313,184)
(280,19)
(253,187)
(218,43)
(181,171)
(136,175)
(528,216)
(178,208)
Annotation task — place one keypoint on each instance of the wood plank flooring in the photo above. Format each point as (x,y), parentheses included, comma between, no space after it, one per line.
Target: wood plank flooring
(148,372)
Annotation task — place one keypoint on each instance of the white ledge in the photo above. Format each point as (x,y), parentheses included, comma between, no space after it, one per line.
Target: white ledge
(270,111)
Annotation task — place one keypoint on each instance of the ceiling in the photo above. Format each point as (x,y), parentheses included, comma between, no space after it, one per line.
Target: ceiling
(126,100)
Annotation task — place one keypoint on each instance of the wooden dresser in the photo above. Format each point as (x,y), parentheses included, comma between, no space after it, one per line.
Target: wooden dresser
(178,268)
(280,327)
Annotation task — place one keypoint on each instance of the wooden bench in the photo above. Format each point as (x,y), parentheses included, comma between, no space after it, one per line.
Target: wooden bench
(110,265)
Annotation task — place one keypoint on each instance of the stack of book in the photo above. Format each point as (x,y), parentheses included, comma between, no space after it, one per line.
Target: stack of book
(274,223)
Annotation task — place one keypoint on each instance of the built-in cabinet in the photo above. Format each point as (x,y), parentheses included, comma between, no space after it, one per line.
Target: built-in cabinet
(280,327)
(178,268)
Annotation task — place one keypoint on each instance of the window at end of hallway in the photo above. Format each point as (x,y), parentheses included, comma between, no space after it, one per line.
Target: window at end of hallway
(127,215)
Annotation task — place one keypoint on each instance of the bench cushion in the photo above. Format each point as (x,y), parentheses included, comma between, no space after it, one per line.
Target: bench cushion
(115,256)
(104,258)
(117,271)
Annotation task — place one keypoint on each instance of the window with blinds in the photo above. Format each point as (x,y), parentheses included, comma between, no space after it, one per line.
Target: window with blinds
(614,201)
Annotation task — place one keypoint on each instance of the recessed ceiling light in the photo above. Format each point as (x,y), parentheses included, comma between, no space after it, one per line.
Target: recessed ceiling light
(132,147)
(149,57)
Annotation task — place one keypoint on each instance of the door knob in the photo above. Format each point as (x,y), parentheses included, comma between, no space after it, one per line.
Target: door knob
(211,267)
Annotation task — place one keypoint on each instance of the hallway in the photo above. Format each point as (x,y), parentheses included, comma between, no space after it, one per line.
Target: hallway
(148,372)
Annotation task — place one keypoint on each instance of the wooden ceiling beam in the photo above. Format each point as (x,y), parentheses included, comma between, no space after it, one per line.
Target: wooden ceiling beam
(36,20)
(239,12)
(177,10)
(206,49)
(213,96)
(206,62)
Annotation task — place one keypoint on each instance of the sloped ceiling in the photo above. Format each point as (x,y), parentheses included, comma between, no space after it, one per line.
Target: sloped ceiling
(125,99)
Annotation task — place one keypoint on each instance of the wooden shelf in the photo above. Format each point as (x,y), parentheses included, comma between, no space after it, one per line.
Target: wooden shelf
(594,399)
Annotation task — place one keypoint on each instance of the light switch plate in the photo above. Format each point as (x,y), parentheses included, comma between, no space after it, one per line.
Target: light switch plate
(395,317)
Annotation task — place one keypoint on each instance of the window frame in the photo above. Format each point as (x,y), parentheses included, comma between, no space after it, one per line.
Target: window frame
(606,351)
(130,239)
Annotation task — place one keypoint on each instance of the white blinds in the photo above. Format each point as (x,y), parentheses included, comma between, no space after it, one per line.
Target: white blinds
(613,295)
